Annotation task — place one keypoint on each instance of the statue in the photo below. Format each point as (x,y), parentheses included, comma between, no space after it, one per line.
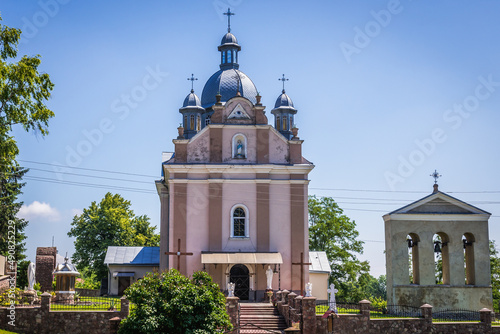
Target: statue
(269,275)
(31,276)
(309,289)
(333,303)
(239,149)
(230,289)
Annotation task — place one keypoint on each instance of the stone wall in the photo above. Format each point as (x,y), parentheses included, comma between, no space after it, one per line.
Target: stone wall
(40,320)
(45,264)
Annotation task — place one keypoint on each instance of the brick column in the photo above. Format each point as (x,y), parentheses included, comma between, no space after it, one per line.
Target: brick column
(298,309)
(291,311)
(232,305)
(284,296)
(124,307)
(114,324)
(485,316)
(364,308)
(308,322)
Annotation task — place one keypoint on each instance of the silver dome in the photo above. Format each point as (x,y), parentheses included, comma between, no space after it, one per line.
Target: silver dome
(192,100)
(229,39)
(284,102)
(226,82)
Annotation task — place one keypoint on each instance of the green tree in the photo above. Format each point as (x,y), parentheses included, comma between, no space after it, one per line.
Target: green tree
(23,93)
(495,275)
(108,223)
(22,274)
(169,302)
(333,232)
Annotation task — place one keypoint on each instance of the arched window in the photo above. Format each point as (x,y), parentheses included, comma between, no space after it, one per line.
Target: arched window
(185,121)
(470,272)
(239,222)
(278,122)
(441,258)
(229,53)
(191,122)
(284,123)
(207,120)
(291,122)
(414,271)
(223,57)
(198,123)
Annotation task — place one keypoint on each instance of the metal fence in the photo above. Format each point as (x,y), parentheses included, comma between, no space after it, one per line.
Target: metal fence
(455,315)
(87,304)
(342,307)
(395,311)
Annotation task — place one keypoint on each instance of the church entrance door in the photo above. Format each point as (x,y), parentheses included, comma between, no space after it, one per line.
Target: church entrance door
(239,275)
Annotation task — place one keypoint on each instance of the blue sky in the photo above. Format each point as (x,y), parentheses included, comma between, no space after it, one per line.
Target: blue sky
(386,92)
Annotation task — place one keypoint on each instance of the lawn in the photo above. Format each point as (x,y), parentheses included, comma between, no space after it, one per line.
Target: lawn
(88,304)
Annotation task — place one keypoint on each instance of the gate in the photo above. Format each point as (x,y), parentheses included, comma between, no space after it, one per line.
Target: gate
(239,275)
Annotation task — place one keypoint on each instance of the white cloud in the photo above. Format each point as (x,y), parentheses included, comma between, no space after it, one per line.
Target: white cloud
(37,210)
(76,212)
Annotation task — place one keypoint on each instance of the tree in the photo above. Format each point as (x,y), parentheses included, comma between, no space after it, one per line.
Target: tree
(169,302)
(23,93)
(108,223)
(495,275)
(333,232)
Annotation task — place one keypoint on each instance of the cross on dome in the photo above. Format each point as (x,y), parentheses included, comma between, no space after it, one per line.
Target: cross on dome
(283,79)
(192,79)
(228,13)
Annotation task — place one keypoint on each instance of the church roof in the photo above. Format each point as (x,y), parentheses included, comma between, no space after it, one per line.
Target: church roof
(229,39)
(284,102)
(139,256)
(319,262)
(439,203)
(226,82)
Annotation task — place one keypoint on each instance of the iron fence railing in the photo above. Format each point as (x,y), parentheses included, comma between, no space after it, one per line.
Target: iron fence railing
(455,316)
(87,304)
(341,307)
(395,311)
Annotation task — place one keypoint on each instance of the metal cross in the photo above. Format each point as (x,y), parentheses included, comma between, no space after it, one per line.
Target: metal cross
(436,176)
(283,79)
(192,79)
(179,254)
(228,13)
(302,264)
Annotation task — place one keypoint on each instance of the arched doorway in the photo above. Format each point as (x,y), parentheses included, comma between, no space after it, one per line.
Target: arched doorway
(239,275)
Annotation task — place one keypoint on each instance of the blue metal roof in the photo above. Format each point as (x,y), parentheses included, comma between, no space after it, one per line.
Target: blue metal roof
(284,102)
(133,255)
(192,100)
(226,82)
(229,39)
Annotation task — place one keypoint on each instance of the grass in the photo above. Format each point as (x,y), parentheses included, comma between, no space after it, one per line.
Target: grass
(6,332)
(89,304)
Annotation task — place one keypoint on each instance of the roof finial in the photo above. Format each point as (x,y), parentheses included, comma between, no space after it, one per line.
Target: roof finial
(192,79)
(283,79)
(228,13)
(436,176)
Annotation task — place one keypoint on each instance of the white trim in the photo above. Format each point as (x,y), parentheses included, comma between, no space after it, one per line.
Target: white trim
(247,219)
(237,169)
(436,217)
(270,181)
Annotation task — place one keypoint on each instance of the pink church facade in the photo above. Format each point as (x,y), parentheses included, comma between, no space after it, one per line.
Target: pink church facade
(235,191)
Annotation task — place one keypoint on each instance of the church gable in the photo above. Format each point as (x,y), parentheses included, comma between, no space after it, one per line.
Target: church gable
(238,110)
(439,203)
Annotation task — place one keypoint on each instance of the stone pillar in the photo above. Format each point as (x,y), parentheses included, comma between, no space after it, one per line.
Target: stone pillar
(290,309)
(308,322)
(284,296)
(232,305)
(45,304)
(114,324)
(298,309)
(485,316)
(124,307)
(45,265)
(364,308)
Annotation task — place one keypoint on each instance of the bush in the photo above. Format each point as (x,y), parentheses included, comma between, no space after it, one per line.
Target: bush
(169,302)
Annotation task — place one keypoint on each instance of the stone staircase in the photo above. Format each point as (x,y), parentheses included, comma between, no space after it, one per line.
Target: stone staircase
(260,318)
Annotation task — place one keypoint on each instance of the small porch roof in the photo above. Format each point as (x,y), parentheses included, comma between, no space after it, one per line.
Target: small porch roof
(241,257)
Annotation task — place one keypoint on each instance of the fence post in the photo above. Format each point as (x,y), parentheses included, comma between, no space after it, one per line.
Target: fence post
(114,324)
(291,310)
(124,307)
(485,316)
(308,321)
(427,314)
(364,308)
(232,309)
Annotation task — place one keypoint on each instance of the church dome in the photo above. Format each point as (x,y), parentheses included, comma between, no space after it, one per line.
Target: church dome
(284,102)
(192,100)
(226,82)
(229,39)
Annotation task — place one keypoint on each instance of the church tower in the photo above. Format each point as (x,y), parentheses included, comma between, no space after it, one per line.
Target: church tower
(234,193)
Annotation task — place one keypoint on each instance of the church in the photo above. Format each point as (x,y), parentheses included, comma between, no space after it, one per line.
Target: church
(234,193)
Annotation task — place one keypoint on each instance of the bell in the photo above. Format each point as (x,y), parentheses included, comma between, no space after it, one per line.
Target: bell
(437,247)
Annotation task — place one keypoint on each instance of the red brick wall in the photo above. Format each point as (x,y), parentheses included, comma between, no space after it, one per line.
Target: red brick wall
(45,265)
